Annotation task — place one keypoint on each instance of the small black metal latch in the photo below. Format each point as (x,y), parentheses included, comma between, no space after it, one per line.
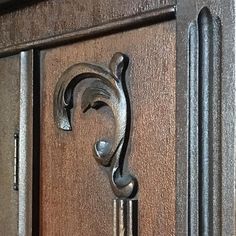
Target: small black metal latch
(16,161)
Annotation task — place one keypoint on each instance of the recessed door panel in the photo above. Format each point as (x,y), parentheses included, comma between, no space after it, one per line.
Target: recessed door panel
(76,196)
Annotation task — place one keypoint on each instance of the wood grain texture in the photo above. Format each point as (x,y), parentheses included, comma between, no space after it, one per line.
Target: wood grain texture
(51,17)
(76,198)
(9,106)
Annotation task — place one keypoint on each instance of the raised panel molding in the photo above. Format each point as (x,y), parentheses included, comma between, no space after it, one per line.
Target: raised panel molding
(47,24)
(161,14)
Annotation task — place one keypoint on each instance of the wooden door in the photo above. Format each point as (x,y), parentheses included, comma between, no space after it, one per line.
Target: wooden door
(16,145)
(166,70)
(76,197)
(9,95)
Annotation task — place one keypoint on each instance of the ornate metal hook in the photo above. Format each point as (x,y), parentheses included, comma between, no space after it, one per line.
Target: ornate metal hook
(108,88)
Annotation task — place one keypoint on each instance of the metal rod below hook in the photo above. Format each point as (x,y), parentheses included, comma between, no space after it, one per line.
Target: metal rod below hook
(125,221)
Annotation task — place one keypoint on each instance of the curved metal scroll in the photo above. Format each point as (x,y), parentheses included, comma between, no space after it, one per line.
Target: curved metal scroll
(108,88)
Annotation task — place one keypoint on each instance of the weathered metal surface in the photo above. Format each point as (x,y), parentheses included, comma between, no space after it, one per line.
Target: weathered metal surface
(16,161)
(205,118)
(125,217)
(109,89)
(25,143)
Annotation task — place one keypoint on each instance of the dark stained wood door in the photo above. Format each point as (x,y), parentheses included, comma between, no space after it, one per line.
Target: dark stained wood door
(76,198)
(181,84)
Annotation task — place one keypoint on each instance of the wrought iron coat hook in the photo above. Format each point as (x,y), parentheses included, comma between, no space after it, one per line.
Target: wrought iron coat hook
(108,88)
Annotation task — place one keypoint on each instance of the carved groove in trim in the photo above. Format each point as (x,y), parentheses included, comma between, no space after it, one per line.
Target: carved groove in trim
(204,125)
(108,88)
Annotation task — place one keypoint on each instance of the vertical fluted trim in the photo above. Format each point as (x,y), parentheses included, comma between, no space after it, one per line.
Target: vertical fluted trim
(204,184)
